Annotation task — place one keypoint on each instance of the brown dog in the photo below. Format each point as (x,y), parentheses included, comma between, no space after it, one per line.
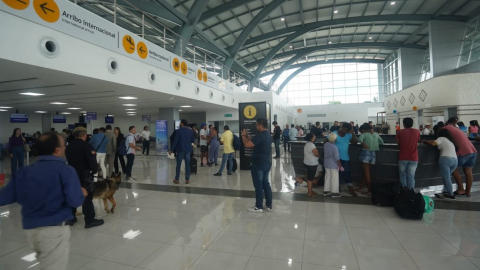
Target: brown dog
(105,189)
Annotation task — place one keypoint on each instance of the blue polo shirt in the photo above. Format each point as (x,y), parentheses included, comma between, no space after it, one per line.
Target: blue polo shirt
(47,190)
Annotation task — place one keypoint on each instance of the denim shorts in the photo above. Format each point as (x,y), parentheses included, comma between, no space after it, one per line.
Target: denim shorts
(367,156)
(467,161)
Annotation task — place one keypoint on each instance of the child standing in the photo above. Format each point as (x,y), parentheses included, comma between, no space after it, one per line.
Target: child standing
(332,165)
(370,142)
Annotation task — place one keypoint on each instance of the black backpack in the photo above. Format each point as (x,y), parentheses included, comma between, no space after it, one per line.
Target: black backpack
(409,205)
(383,194)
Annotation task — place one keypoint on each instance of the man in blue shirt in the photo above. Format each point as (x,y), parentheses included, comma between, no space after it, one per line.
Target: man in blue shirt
(47,190)
(261,164)
(99,142)
(182,145)
(345,137)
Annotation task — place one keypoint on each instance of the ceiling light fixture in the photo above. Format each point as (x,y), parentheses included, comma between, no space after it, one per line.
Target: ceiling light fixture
(329,42)
(127,97)
(186,106)
(58,103)
(392,3)
(130,109)
(180,110)
(66,113)
(3,110)
(2,107)
(336,11)
(32,94)
(369,37)
(74,108)
(282,19)
(130,105)
(40,111)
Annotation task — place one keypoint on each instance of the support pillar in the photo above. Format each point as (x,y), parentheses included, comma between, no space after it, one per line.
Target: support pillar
(410,63)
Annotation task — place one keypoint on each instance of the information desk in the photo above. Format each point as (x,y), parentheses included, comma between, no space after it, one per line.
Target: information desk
(386,167)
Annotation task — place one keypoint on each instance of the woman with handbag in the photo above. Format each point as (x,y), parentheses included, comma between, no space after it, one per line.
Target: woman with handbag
(16,150)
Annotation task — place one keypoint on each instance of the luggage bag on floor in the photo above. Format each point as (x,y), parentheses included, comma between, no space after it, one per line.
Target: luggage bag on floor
(383,194)
(234,167)
(193,165)
(409,205)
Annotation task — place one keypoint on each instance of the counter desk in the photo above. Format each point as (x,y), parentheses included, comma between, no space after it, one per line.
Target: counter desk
(386,167)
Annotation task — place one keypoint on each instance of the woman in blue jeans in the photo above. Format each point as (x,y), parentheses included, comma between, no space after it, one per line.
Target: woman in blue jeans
(448,161)
(16,149)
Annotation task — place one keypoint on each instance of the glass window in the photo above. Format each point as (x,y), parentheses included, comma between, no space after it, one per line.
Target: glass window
(326,85)
(338,84)
(338,76)
(327,92)
(337,68)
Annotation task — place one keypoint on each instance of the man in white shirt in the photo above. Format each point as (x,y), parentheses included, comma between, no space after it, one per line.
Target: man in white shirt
(130,141)
(293,135)
(146,140)
(427,130)
(203,143)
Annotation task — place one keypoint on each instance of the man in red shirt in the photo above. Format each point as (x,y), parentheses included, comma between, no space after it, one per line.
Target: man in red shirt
(407,139)
(467,156)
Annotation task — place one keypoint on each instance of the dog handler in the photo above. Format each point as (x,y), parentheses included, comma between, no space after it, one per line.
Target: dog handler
(47,190)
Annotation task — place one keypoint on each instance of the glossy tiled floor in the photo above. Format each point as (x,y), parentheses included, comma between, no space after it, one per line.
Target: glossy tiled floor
(180,230)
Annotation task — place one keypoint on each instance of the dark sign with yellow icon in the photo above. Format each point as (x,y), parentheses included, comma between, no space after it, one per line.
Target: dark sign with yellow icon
(248,114)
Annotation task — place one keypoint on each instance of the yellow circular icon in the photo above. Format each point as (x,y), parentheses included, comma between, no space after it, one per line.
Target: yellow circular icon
(205,77)
(176,64)
(47,10)
(184,68)
(199,75)
(17,4)
(128,44)
(142,50)
(250,112)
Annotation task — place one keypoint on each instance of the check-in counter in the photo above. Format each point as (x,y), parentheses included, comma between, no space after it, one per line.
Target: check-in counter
(386,167)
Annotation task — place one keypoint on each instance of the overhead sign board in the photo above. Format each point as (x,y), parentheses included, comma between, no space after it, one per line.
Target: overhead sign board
(146,118)
(70,19)
(91,116)
(59,119)
(109,120)
(227,115)
(18,118)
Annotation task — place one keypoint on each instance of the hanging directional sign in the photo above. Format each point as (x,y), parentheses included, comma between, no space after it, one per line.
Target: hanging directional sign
(17,4)
(142,50)
(128,44)
(47,10)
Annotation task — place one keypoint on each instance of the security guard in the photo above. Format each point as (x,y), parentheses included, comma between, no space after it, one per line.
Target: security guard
(81,156)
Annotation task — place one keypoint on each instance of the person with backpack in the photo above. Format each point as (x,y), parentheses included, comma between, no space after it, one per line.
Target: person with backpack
(370,142)
(228,141)
(276,138)
(407,140)
(286,139)
(448,161)
(99,142)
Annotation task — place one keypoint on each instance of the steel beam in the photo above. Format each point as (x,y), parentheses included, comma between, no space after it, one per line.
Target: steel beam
(187,28)
(310,50)
(222,8)
(249,28)
(305,66)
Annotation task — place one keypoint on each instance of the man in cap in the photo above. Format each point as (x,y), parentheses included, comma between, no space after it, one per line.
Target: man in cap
(82,157)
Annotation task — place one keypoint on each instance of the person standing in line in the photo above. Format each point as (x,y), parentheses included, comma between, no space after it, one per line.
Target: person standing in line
(466,155)
(261,164)
(355,127)
(119,138)
(292,136)
(310,161)
(427,129)
(335,127)
(317,130)
(214,146)
(286,139)
(473,129)
(99,142)
(300,131)
(228,151)
(81,156)
(370,143)
(130,143)
(463,128)
(111,150)
(332,163)
(47,190)
(203,143)
(345,137)
(407,140)
(182,146)
(276,138)
(448,161)
(16,150)
(146,140)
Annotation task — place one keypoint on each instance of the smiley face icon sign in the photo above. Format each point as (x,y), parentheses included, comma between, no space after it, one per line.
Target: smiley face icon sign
(176,64)
(17,4)
(47,10)
(184,68)
(142,50)
(205,77)
(199,74)
(250,112)
(128,44)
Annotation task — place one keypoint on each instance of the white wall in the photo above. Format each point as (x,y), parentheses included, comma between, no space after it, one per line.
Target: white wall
(460,90)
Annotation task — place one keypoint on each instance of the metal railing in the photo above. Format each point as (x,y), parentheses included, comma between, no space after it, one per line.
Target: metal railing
(167,39)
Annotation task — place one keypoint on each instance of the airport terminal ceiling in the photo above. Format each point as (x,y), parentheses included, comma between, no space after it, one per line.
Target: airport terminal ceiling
(264,37)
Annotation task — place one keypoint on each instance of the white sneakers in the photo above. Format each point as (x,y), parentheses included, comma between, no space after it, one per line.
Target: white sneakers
(258,210)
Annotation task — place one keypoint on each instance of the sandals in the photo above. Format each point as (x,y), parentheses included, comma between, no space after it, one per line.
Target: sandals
(313,195)
(353,193)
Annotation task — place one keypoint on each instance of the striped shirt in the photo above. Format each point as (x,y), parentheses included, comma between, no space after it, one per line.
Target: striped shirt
(330,155)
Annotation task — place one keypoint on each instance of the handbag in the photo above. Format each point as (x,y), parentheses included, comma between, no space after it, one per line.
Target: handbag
(26,147)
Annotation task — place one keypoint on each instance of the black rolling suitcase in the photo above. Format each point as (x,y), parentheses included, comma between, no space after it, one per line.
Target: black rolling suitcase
(383,194)
(409,205)
(234,167)
(193,165)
